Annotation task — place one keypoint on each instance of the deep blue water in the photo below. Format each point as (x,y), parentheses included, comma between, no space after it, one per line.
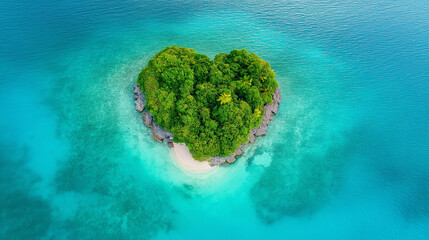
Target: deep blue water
(347,156)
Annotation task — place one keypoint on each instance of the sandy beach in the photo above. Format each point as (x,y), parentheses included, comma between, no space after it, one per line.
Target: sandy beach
(186,162)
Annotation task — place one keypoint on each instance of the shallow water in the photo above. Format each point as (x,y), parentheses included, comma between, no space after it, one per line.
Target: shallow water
(345,158)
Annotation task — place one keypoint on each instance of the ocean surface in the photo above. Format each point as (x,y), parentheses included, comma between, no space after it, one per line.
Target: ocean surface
(347,156)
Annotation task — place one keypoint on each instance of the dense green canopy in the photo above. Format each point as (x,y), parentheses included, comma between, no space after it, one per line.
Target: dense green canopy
(209,105)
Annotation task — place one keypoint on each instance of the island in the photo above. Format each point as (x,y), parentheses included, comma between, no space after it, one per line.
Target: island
(208,109)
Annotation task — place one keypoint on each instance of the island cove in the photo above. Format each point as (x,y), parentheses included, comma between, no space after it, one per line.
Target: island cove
(214,107)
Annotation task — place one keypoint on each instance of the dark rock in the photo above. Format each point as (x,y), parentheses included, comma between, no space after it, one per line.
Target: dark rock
(161,134)
(147,118)
(136,88)
(240,149)
(271,109)
(156,137)
(261,130)
(276,97)
(140,100)
(230,159)
(221,160)
(275,108)
(139,105)
(238,152)
(252,137)
(268,115)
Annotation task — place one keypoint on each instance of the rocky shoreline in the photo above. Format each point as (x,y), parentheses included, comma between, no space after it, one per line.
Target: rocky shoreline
(158,133)
(161,135)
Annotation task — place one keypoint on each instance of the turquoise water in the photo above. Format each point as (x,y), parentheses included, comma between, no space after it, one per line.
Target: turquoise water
(347,156)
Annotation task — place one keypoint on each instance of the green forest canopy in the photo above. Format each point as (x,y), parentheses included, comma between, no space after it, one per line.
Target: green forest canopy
(211,105)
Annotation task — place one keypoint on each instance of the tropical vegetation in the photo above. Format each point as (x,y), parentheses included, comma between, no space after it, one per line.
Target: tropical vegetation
(211,105)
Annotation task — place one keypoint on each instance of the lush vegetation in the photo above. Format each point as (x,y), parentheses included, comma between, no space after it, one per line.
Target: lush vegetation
(211,105)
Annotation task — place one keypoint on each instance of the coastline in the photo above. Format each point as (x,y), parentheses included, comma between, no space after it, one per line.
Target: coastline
(186,162)
(181,152)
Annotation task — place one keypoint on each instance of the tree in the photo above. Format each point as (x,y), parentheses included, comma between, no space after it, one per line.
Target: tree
(224,98)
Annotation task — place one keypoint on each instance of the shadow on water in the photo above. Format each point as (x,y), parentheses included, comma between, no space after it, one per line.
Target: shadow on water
(296,184)
(23,215)
(398,169)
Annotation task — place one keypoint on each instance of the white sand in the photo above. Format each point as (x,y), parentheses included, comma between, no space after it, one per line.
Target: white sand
(186,162)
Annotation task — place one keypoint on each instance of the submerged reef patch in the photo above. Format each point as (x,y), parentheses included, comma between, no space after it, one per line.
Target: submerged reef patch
(304,170)
(23,215)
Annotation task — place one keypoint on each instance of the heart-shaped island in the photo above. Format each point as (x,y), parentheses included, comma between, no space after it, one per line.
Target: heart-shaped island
(215,107)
